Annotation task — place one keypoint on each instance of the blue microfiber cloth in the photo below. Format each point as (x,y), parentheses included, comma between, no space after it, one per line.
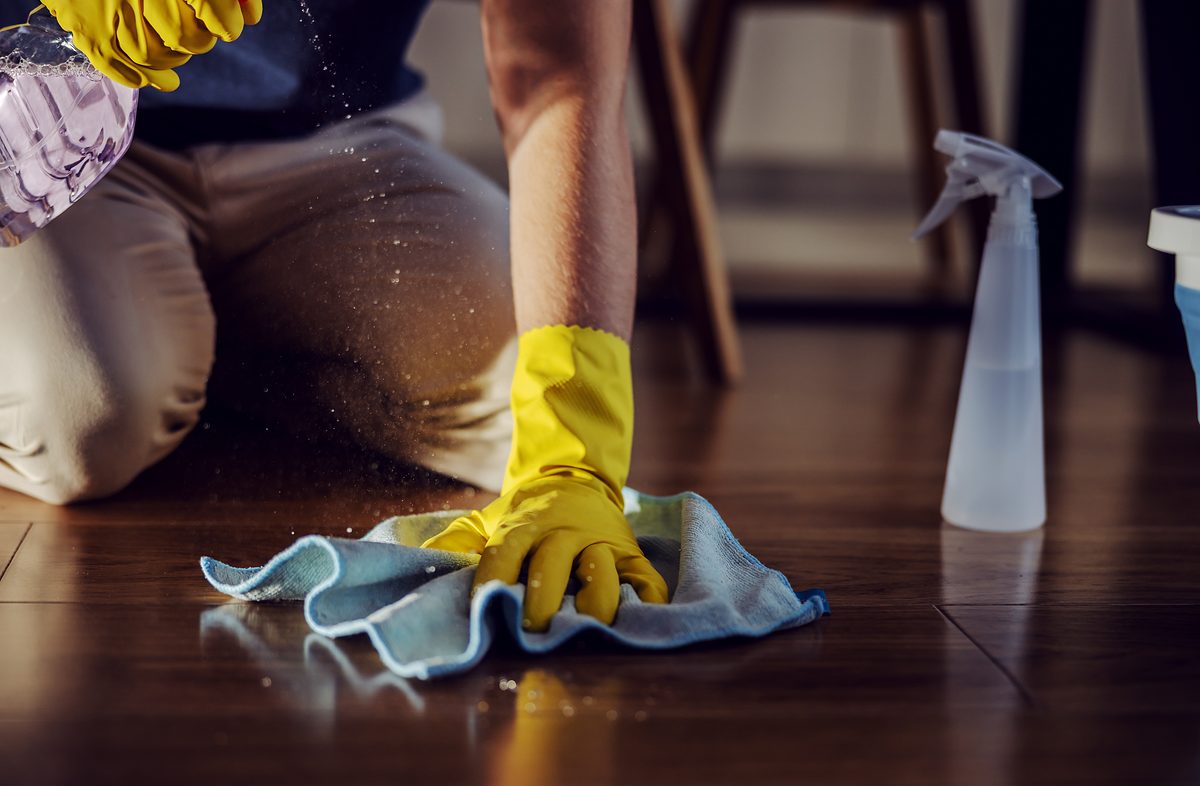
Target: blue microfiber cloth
(415,603)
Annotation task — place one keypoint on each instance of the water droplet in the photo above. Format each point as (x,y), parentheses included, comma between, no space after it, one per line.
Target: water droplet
(568,710)
(266,682)
(349,529)
(640,716)
(612,715)
(530,707)
(431,569)
(482,706)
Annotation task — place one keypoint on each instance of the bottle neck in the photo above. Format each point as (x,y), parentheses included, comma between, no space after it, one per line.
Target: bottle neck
(1014,207)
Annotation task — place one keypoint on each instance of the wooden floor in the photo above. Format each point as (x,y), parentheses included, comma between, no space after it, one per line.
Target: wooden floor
(1066,656)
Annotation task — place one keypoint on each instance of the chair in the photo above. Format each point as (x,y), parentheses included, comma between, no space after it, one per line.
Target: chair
(683,100)
(685,186)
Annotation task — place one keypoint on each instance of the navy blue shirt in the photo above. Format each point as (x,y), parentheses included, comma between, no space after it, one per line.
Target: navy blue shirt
(286,76)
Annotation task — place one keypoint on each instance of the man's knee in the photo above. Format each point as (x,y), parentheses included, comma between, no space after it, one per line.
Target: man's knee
(484,288)
(97,430)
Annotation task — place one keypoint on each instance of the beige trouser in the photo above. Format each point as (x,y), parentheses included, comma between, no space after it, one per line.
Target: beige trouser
(359,276)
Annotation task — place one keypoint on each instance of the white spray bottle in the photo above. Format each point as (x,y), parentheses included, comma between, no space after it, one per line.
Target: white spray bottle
(995,479)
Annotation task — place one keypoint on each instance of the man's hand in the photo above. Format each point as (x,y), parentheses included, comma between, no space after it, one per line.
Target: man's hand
(559,523)
(139,42)
(561,505)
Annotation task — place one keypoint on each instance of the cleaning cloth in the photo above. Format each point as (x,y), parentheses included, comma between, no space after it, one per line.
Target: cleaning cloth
(416,607)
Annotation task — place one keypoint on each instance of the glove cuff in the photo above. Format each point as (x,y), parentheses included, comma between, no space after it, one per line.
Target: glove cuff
(572,404)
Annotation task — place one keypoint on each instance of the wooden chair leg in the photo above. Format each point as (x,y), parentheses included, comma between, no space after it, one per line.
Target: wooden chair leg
(707,46)
(707,50)
(968,102)
(668,95)
(923,126)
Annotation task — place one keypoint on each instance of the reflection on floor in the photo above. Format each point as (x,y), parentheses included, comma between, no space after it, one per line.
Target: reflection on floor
(1066,655)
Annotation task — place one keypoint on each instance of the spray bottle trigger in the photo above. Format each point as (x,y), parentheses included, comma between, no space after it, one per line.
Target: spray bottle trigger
(981,166)
(960,187)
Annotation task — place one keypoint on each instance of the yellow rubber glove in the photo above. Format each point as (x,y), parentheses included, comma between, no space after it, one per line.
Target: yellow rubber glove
(561,505)
(139,42)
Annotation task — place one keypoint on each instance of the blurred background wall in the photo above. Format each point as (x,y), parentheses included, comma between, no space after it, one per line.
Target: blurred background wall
(813,144)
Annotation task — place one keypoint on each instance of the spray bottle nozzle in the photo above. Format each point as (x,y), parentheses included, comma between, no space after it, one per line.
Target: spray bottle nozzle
(980,166)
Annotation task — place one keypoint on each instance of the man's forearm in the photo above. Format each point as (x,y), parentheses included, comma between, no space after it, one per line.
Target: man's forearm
(558,87)
(557,74)
(574,237)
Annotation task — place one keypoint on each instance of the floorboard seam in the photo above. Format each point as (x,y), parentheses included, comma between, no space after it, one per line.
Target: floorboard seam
(13,556)
(1012,678)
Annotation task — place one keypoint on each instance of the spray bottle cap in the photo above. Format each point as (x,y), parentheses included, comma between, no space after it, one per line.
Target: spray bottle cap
(980,166)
